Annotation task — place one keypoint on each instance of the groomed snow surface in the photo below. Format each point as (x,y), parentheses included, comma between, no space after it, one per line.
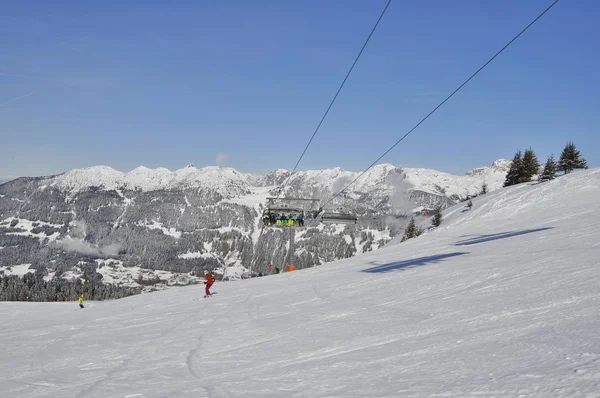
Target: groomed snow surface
(501,301)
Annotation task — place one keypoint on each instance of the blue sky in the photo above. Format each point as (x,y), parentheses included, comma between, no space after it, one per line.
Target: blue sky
(244,83)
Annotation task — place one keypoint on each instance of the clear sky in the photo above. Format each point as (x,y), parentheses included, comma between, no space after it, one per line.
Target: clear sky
(244,83)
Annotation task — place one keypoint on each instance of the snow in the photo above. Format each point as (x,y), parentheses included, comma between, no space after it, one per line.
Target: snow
(50,276)
(501,301)
(127,202)
(28,226)
(191,255)
(239,188)
(378,236)
(389,179)
(74,273)
(470,184)
(226,230)
(223,179)
(156,225)
(256,198)
(234,271)
(113,272)
(18,270)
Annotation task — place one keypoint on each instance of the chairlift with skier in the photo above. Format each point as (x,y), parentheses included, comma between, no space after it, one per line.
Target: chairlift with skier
(289,212)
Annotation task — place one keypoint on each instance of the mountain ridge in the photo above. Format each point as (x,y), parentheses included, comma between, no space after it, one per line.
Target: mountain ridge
(193,219)
(149,179)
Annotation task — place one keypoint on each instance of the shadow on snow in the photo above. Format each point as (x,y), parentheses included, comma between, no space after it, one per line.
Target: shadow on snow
(487,238)
(415,262)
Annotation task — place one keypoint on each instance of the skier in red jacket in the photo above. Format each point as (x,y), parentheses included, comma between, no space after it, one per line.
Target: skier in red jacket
(209,282)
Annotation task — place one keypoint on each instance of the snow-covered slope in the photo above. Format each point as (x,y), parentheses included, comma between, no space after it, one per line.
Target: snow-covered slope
(500,301)
(459,186)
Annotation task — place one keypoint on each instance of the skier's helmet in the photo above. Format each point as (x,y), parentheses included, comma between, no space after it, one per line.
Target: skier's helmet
(205,272)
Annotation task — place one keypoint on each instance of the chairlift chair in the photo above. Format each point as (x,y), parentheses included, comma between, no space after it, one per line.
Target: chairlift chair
(338,218)
(289,208)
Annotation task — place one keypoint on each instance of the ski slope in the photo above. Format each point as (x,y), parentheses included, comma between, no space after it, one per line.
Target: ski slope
(501,301)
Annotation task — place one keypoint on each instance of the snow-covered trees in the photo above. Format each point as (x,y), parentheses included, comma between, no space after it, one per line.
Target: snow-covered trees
(33,287)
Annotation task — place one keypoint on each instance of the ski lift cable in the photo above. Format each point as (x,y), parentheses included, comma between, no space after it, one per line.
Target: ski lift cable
(446,99)
(335,96)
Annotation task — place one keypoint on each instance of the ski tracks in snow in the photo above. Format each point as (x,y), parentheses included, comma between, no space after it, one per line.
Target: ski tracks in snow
(191,355)
(194,355)
(586,366)
(129,359)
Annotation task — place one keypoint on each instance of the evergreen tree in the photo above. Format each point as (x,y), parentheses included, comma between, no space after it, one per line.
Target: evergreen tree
(409,232)
(515,173)
(437,219)
(33,287)
(571,159)
(412,230)
(531,165)
(484,188)
(549,172)
(419,231)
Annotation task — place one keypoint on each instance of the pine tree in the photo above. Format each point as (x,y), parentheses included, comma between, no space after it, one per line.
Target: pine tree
(549,172)
(412,230)
(409,232)
(515,173)
(570,159)
(33,287)
(531,165)
(419,231)
(437,219)
(484,188)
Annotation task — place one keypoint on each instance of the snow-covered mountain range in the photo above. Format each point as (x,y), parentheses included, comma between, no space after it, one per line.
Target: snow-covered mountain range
(86,222)
(224,180)
(231,183)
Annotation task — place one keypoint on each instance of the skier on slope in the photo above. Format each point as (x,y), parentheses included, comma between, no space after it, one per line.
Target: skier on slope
(209,282)
(80,300)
